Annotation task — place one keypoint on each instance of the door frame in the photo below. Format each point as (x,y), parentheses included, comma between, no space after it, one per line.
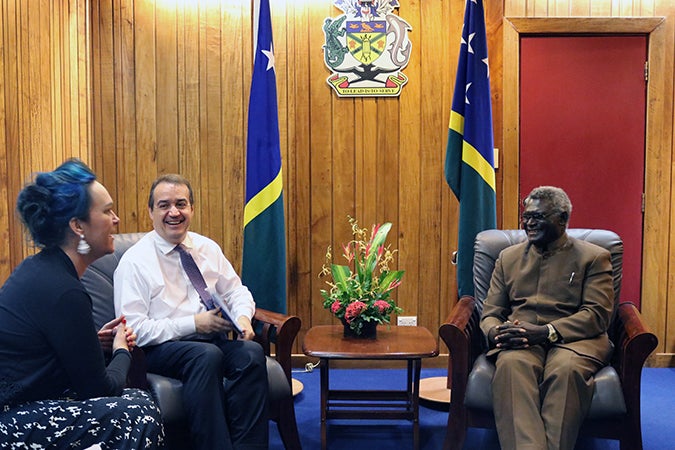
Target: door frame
(658,128)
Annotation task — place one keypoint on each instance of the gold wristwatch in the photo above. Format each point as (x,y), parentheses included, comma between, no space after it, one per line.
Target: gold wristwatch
(552,334)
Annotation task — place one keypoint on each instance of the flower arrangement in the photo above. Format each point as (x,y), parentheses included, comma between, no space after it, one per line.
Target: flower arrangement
(360,292)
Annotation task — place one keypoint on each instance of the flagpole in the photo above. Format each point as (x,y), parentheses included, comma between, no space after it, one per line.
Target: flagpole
(264,255)
(469,162)
(255,7)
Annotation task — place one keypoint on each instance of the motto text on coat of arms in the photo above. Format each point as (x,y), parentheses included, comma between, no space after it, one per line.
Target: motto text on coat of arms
(366,48)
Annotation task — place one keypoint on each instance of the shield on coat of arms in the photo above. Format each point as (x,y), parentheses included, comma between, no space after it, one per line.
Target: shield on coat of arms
(366,40)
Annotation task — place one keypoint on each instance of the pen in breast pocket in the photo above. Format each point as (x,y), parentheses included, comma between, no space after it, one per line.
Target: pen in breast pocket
(571,277)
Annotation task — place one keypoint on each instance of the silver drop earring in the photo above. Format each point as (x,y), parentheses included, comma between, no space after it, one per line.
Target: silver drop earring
(83,246)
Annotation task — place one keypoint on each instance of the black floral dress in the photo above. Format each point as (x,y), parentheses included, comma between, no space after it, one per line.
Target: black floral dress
(130,421)
(57,390)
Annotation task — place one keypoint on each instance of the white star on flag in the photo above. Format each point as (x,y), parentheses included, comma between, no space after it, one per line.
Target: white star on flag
(270,57)
(469,48)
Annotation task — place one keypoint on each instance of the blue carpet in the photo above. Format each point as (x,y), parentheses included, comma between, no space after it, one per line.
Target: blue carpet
(658,425)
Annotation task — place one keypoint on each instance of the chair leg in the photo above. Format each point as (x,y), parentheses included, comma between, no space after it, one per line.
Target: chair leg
(287,425)
(455,440)
(456,430)
(631,439)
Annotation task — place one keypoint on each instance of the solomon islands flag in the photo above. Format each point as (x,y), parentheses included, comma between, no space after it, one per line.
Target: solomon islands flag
(264,260)
(469,159)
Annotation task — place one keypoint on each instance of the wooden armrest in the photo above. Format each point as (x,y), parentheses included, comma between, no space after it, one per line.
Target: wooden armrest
(635,342)
(461,314)
(457,328)
(456,333)
(281,330)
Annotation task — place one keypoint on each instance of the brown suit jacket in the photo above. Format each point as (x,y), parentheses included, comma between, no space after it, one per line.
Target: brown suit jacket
(569,286)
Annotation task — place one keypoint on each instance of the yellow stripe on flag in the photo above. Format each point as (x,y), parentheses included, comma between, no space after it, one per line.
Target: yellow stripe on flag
(263,199)
(470,155)
(473,158)
(457,122)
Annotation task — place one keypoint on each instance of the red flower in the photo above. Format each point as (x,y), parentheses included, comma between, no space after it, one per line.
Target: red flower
(382,306)
(335,307)
(353,310)
(374,231)
(393,285)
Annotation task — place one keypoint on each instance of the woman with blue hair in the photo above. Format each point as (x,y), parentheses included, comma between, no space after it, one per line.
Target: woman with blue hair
(55,388)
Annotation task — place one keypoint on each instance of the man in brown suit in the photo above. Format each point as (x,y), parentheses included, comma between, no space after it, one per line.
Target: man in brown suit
(546,317)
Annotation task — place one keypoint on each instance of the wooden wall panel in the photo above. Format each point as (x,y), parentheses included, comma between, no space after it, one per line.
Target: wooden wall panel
(46,102)
(322,171)
(408,225)
(143,87)
(658,291)
(432,137)
(142,153)
(6,125)
(297,173)
(189,105)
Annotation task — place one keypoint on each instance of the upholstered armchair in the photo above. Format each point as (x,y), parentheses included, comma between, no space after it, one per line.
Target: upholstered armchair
(615,408)
(274,332)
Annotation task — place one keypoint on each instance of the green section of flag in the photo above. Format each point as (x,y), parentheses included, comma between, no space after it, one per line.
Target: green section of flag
(264,263)
(477,211)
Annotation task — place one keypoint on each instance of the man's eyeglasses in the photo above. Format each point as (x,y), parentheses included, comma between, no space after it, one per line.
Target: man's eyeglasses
(536,217)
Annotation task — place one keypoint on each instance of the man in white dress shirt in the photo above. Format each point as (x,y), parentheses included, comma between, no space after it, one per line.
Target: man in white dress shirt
(183,339)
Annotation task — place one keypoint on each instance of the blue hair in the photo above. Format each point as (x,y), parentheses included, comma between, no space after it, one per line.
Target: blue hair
(47,205)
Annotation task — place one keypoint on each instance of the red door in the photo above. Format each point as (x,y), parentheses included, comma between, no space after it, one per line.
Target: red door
(582,128)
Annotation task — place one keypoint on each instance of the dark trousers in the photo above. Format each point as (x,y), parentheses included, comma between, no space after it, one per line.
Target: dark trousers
(220,418)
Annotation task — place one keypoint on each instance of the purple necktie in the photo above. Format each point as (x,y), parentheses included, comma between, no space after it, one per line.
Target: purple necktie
(195,276)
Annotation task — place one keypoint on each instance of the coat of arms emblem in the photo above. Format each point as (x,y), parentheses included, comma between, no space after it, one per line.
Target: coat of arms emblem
(366,48)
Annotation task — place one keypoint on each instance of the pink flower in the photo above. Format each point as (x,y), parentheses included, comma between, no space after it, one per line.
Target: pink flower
(393,285)
(353,310)
(335,307)
(382,306)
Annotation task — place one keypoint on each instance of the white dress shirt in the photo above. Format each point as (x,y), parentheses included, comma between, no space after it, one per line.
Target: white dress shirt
(156,296)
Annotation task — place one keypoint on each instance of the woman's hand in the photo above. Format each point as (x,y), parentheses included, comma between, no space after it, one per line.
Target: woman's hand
(130,335)
(108,332)
(120,336)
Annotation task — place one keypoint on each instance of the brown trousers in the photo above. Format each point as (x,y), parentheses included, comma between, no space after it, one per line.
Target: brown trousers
(541,396)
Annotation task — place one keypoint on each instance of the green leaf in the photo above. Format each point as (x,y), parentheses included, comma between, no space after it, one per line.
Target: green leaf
(377,241)
(340,276)
(394,275)
(380,236)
